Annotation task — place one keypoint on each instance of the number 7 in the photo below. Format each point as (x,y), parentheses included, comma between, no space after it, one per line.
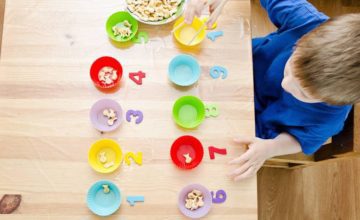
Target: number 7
(213,150)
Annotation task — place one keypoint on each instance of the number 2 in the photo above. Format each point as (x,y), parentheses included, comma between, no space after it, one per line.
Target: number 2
(137,158)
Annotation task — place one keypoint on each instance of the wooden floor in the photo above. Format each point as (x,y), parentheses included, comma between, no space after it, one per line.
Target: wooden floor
(327,191)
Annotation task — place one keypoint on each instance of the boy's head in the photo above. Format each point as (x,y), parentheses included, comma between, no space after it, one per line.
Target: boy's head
(325,66)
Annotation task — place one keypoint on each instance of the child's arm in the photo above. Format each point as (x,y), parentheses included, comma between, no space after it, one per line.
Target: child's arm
(259,151)
(285,14)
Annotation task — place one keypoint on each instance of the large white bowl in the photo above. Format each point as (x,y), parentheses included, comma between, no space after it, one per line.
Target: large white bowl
(179,12)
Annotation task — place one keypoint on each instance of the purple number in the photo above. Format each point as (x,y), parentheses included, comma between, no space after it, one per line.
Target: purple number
(136,114)
(219,197)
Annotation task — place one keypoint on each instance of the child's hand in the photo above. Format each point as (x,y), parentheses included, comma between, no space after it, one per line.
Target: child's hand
(252,160)
(195,8)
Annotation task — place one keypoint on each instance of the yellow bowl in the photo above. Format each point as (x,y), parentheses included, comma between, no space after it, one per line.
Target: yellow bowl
(112,151)
(186,33)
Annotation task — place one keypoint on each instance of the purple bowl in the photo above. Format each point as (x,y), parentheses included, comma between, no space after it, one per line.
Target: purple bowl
(97,118)
(200,212)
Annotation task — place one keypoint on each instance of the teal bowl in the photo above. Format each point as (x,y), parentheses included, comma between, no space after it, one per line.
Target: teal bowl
(184,70)
(103,204)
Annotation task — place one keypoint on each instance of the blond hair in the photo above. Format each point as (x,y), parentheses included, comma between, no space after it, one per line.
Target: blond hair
(327,60)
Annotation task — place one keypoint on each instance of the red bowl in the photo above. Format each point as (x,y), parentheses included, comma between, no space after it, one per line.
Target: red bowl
(187,145)
(103,62)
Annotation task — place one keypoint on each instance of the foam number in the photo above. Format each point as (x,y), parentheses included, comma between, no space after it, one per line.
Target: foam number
(136,114)
(133,199)
(141,37)
(214,34)
(138,158)
(211,110)
(219,196)
(217,71)
(137,77)
(214,150)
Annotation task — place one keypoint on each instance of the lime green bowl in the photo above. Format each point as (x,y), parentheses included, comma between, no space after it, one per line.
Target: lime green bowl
(188,112)
(116,19)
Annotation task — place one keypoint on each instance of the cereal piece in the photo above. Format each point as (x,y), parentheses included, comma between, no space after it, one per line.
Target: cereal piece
(194,200)
(114,75)
(197,192)
(106,112)
(107,75)
(122,29)
(189,203)
(9,203)
(127,23)
(106,189)
(200,201)
(111,121)
(131,7)
(102,157)
(102,74)
(191,195)
(108,81)
(111,115)
(188,159)
(109,164)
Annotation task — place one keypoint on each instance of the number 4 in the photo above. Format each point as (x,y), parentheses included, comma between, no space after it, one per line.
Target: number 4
(140,76)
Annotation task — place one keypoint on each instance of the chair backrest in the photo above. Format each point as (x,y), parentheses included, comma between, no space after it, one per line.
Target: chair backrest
(347,141)
(345,144)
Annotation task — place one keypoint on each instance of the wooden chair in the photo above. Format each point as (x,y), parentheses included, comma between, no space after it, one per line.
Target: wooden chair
(345,144)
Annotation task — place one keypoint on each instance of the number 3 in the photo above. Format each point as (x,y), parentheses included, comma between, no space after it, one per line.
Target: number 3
(138,114)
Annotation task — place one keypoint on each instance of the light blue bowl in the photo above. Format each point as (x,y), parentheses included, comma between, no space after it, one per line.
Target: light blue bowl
(103,204)
(184,70)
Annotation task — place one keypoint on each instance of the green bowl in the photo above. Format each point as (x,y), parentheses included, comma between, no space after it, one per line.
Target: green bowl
(117,18)
(188,112)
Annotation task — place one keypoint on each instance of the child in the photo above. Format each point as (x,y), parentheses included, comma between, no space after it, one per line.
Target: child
(307,76)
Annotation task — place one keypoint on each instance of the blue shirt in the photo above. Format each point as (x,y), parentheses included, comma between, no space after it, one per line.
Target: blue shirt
(276,110)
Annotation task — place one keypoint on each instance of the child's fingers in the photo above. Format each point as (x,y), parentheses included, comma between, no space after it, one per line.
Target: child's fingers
(216,5)
(243,158)
(213,6)
(211,9)
(240,170)
(211,21)
(244,140)
(189,15)
(247,174)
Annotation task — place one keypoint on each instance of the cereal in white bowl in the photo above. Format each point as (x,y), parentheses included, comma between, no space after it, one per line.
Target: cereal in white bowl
(153,10)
